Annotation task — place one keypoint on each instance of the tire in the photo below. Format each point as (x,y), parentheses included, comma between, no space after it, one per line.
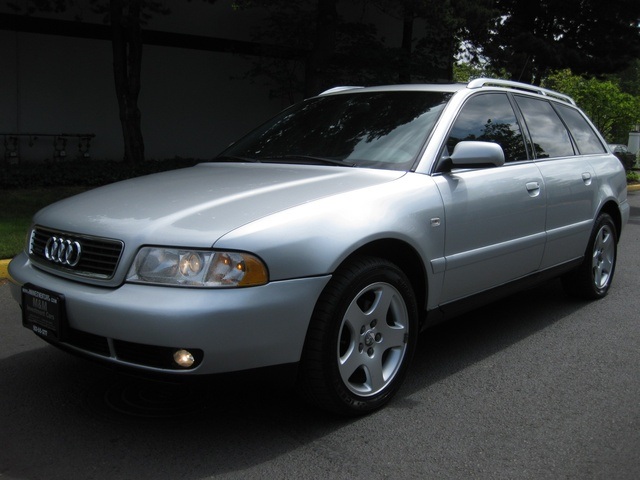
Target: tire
(593,278)
(361,338)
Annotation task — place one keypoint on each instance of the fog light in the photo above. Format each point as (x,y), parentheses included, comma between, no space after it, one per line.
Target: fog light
(183,358)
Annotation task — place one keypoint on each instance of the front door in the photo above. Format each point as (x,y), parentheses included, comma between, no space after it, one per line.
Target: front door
(494,217)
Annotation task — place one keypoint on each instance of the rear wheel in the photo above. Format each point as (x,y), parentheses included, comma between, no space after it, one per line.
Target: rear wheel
(361,338)
(593,278)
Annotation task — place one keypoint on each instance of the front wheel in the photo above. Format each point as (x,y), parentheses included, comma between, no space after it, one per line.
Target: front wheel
(593,278)
(361,338)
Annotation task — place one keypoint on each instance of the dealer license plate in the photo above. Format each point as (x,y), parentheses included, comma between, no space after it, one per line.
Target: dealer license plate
(43,312)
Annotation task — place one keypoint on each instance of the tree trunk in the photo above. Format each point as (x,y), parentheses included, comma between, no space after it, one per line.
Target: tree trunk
(316,75)
(127,62)
(404,67)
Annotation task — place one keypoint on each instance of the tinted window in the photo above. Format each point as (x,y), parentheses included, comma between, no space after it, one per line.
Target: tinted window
(380,129)
(489,118)
(549,135)
(582,132)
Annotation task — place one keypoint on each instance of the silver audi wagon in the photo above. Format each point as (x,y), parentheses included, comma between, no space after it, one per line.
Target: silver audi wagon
(329,237)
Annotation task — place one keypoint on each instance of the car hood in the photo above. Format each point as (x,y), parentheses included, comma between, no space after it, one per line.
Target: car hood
(194,207)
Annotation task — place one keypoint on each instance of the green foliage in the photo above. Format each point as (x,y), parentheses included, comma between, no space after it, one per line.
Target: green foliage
(633,177)
(18,207)
(613,112)
(629,78)
(342,49)
(338,51)
(464,72)
(531,38)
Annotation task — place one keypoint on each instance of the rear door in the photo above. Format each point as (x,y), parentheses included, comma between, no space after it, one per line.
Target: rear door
(494,217)
(568,175)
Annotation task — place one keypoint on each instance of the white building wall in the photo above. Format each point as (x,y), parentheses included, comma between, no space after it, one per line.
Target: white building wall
(54,85)
(8,82)
(193,103)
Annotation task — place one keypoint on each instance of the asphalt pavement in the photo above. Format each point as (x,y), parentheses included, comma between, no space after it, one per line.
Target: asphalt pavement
(536,386)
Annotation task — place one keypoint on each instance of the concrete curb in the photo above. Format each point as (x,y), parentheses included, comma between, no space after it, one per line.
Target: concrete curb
(4,264)
(4,269)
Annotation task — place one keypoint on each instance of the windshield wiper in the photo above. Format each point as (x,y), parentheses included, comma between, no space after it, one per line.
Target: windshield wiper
(307,159)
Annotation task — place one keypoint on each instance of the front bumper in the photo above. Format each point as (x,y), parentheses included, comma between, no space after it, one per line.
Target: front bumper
(236,329)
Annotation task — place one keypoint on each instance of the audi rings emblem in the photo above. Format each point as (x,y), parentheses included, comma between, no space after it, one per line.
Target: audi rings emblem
(63,251)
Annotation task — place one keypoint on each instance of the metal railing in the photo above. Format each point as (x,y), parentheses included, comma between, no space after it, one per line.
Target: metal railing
(14,142)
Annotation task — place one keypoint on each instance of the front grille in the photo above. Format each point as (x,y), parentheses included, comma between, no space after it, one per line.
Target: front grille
(99,257)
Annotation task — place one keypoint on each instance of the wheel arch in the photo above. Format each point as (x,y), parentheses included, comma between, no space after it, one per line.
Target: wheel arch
(406,258)
(611,208)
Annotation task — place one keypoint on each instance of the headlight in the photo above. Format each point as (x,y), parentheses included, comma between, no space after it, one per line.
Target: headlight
(197,268)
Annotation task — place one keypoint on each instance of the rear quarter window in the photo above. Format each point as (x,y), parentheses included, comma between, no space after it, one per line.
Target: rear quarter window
(584,136)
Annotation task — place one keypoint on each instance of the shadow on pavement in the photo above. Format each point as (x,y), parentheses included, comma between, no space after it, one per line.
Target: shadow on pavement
(461,342)
(64,417)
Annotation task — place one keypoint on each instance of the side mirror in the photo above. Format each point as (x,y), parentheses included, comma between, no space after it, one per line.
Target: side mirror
(473,154)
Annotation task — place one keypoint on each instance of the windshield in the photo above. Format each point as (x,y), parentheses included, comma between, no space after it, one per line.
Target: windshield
(370,129)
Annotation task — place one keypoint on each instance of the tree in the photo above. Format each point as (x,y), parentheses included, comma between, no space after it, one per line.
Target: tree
(629,78)
(457,23)
(432,33)
(126,18)
(465,71)
(534,37)
(126,45)
(324,45)
(428,57)
(352,52)
(613,112)
(336,51)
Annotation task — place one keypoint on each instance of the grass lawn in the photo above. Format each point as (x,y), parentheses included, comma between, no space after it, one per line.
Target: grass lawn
(18,206)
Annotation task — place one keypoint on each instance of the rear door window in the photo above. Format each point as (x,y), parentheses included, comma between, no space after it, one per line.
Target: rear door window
(549,135)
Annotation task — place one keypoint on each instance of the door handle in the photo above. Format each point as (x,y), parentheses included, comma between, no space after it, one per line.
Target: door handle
(533,188)
(586,178)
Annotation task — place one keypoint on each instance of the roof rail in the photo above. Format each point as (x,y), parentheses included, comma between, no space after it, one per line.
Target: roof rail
(481,82)
(339,89)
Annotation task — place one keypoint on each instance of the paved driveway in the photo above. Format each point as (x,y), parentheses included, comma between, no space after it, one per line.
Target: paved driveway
(535,386)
